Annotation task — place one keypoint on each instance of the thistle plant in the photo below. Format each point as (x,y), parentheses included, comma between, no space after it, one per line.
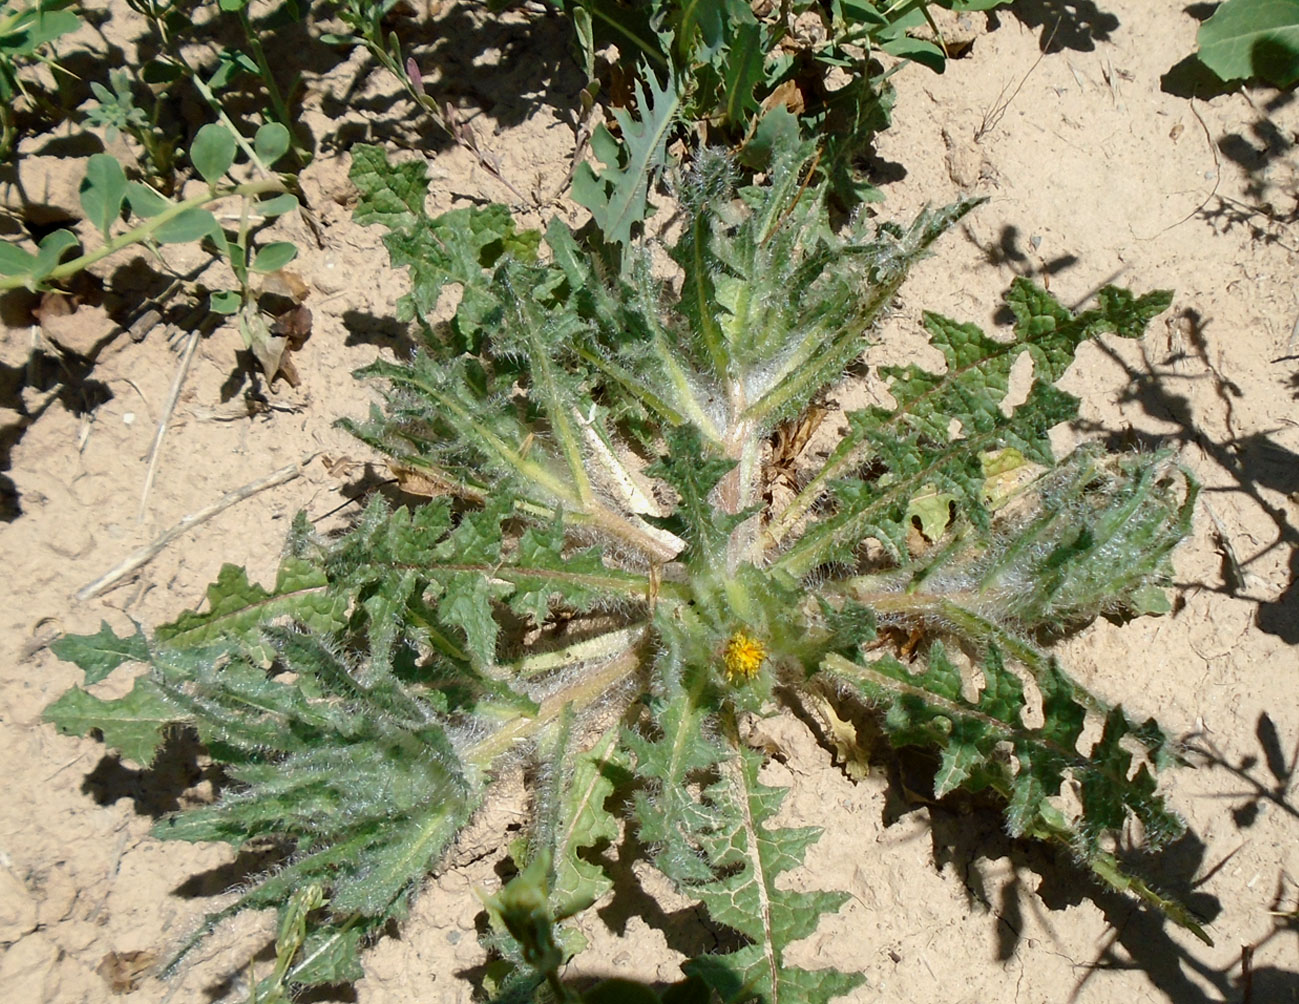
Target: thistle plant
(614,572)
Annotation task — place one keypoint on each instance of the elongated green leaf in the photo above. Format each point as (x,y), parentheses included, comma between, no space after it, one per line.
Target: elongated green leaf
(584,821)
(695,475)
(929,709)
(457,246)
(238,608)
(37,25)
(742,69)
(668,814)
(330,954)
(391,194)
(629,28)
(748,856)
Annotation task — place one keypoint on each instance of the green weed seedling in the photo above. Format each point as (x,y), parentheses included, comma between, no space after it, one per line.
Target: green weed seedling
(106,194)
(116,112)
(611,575)
(26,30)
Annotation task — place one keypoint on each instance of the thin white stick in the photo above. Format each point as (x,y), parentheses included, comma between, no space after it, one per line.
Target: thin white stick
(147,553)
(155,451)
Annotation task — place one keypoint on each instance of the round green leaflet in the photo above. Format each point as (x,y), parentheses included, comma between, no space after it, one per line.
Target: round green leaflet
(212,152)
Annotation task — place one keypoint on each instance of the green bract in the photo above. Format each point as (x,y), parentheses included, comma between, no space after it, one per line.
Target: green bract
(610,578)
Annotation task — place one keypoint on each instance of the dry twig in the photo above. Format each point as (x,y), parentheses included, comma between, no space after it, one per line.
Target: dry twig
(155,451)
(147,553)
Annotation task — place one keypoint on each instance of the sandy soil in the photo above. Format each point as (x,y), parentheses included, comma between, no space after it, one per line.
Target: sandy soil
(1098,169)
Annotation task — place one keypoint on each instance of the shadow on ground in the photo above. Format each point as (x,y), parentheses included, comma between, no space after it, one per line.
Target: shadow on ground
(1257,464)
(1065,24)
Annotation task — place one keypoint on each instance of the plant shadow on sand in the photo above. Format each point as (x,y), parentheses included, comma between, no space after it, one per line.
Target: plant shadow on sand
(1256,463)
(1064,24)
(1268,782)
(968,834)
(511,89)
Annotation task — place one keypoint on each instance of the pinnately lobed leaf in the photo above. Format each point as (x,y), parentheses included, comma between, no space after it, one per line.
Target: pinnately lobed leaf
(616,196)
(746,855)
(100,654)
(610,573)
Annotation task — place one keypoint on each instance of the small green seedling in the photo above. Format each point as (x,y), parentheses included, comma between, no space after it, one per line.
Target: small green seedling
(106,195)
(116,112)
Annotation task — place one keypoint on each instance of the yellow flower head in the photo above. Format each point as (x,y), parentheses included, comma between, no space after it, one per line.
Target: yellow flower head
(743,657)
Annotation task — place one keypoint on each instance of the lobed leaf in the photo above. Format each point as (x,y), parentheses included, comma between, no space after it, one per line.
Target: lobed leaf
(912,449)
(99,654)
(747,855)
(133,725)
(584,822)
(618,195)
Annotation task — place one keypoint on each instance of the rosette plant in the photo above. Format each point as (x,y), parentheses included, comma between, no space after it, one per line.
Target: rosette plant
(629,544)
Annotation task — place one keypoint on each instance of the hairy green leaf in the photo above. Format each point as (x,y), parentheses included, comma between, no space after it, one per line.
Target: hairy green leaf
(747,856)
(914,442)
(584,821)
(100,654)
(133,725)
